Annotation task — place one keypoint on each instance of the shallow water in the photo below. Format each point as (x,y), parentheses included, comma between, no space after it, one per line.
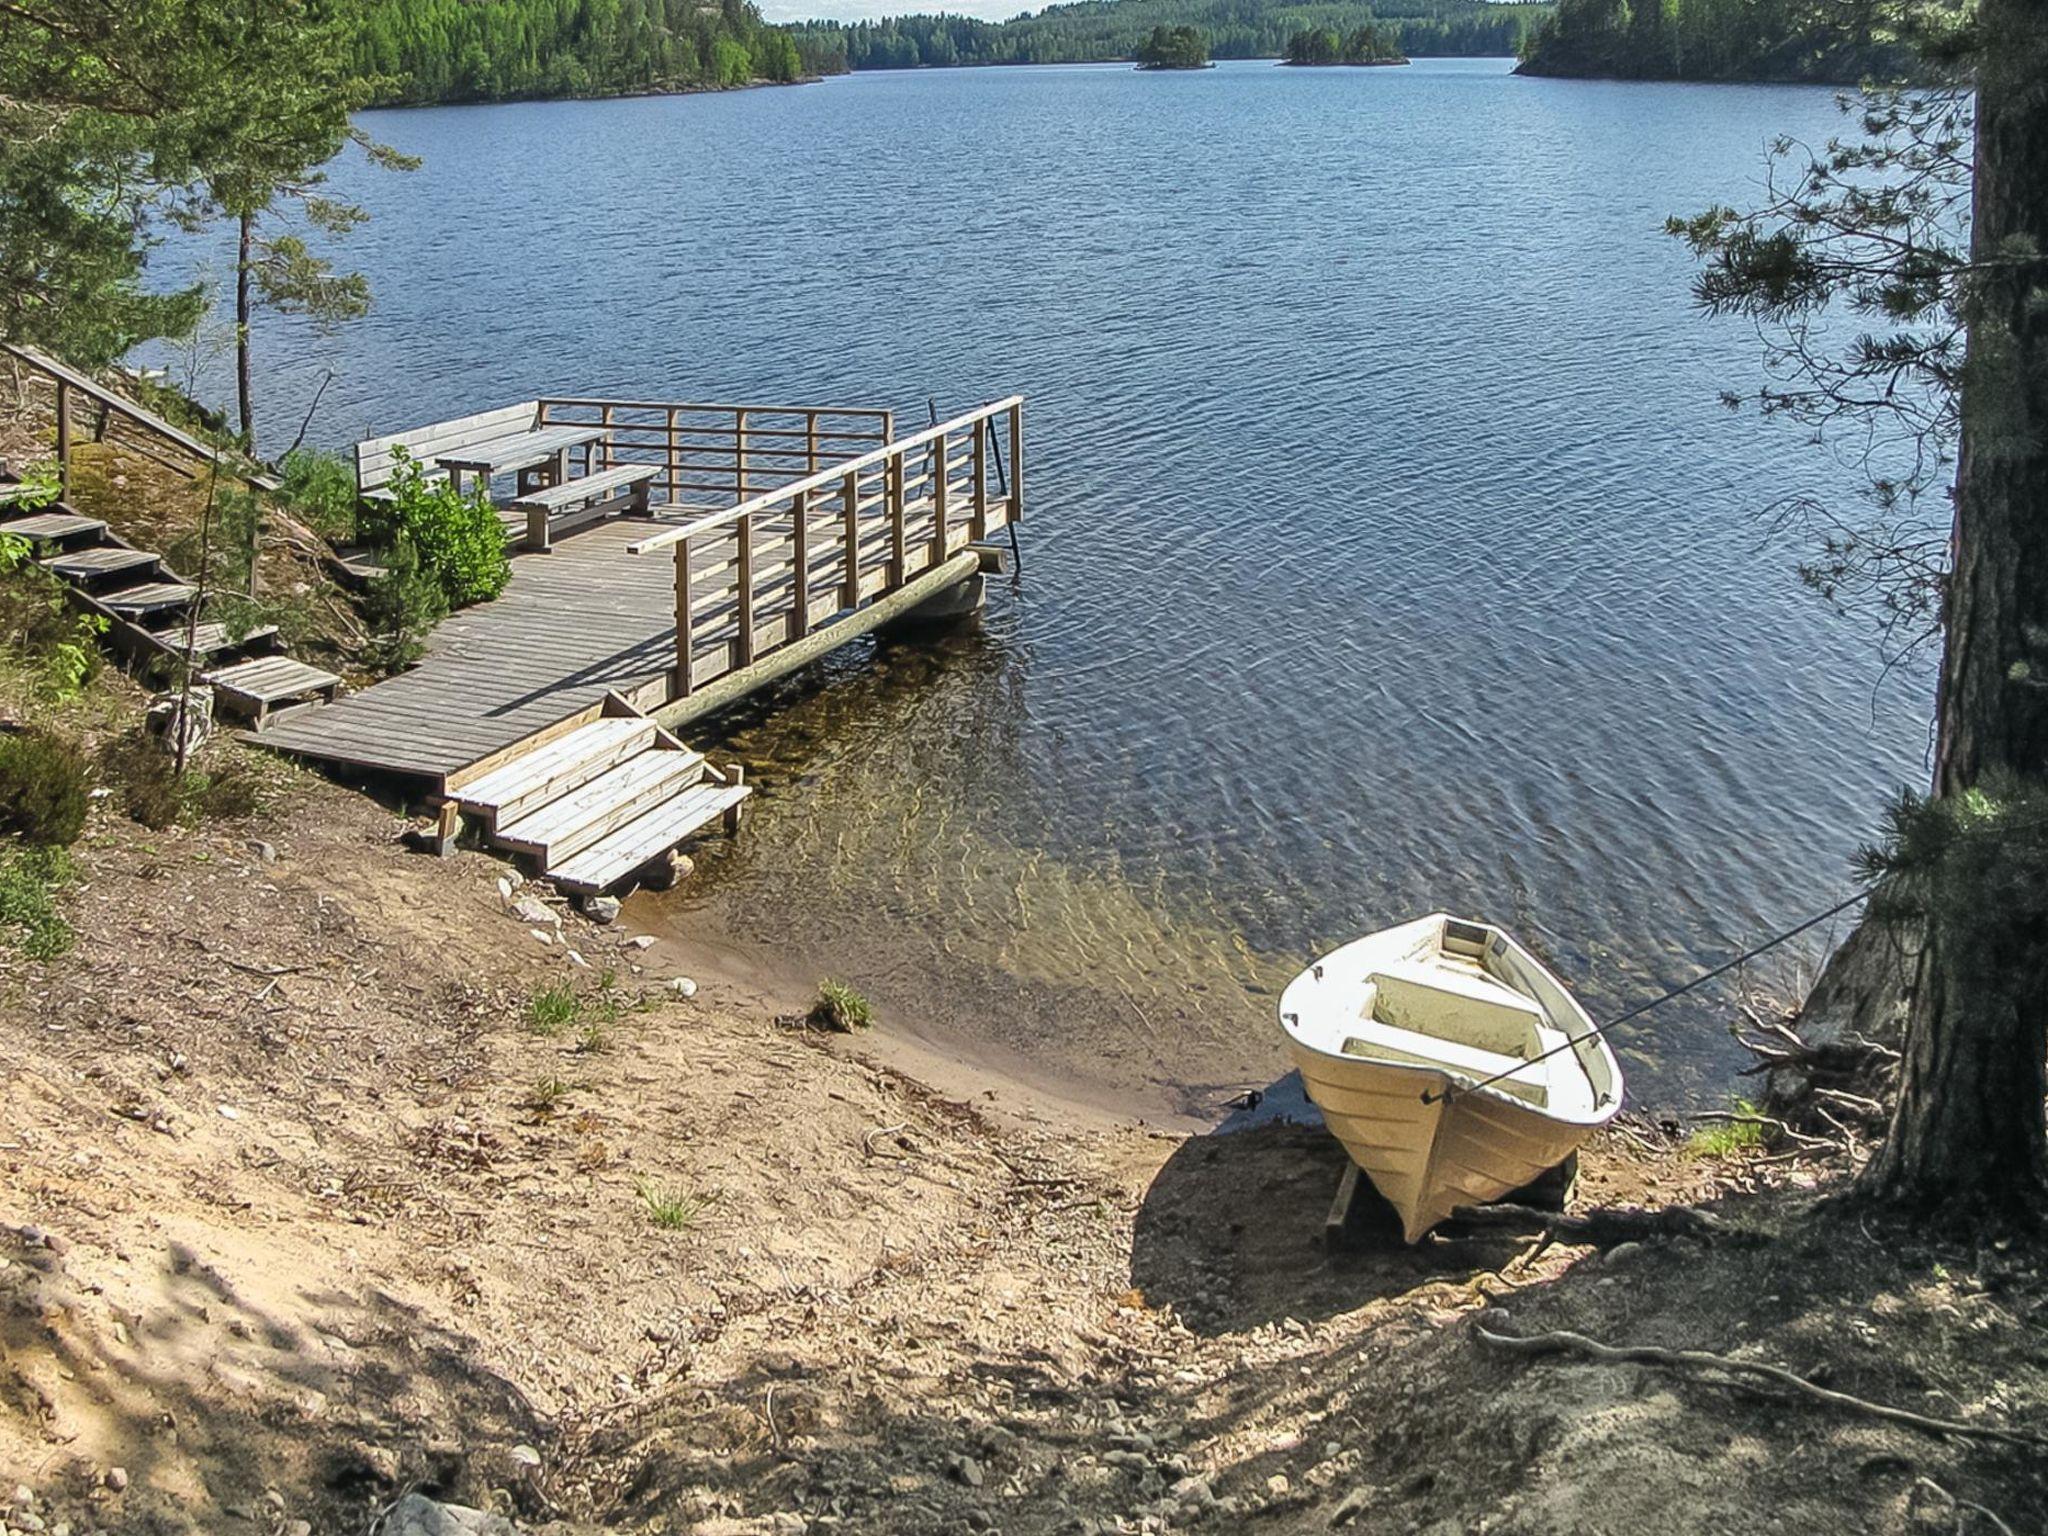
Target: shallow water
(1386,546)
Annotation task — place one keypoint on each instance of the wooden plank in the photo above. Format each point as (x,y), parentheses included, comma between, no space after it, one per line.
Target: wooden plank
(105,560)
(563,827)
(640,842)
(52,525)
(556,764)
(373,454)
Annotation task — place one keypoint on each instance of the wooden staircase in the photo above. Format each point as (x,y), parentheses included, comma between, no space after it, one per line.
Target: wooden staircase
(149,609)
(597,801)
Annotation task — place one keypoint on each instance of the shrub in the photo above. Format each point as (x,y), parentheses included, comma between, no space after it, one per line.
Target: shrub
(319,489)
(401,609)
(153,792)
(58,646)
(455,535)
(44,782)
(29,879)
(839,1009)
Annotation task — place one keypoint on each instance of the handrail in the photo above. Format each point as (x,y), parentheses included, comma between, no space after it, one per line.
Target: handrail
(69,378)
(593,403)
(833,475)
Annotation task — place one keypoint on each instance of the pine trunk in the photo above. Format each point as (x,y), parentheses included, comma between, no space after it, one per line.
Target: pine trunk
(243,306)
(1968,1129)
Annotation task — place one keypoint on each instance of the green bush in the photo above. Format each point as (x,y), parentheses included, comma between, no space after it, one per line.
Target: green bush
(58,646)
(44,781)
(457,537)
(839,1009)
(319,489)
(401,609)
(29,878)
(154,793)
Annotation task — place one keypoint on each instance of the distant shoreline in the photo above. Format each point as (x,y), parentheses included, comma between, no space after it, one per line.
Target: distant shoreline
(635,94)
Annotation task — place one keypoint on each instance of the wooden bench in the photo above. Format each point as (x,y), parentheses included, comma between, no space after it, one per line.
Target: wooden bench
(375,461)
(587,499)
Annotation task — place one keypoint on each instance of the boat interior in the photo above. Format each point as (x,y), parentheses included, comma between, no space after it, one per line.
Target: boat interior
(1443,1004)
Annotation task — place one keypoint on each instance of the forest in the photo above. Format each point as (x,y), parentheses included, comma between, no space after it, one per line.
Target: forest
(1776,40)
(488,50)
(1100,30)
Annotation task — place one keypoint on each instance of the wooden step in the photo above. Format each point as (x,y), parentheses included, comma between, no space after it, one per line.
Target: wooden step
(256,687)
(554,768)
(104,560)
(565,826)
(150,597)
(641,841)
(53,525)
(208,639)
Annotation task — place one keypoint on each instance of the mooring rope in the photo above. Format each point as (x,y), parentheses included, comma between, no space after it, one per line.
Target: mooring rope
(1656,1002)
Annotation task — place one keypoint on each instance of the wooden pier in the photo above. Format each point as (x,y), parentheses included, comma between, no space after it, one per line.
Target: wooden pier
(753,540)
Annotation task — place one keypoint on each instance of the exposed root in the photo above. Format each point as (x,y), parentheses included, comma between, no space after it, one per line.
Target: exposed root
(1563,1342)
(1604,1227)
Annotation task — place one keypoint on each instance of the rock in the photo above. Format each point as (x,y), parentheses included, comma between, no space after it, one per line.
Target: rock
(601,909)
(1351,1506)
(117,1478)
(526,1455)
(298,1528)
(785,1523)
(266,853)
(1621,1255)
(57,1243)
(640,941)
(175,714)
(535,913)
(505,889)
(1194,1491)
(965,1469)
(1277,1485)
(416,1515)
(682,986)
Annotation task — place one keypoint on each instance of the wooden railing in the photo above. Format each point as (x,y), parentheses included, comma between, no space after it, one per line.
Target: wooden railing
(716,455)
(829,541)
(149,431)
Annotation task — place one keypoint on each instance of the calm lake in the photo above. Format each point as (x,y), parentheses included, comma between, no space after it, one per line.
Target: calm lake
(1387,548)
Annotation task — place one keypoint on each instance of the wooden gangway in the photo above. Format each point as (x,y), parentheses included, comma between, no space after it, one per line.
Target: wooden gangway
(763,538)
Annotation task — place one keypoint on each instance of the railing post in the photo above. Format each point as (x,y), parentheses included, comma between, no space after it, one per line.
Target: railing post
(675,462)
(939,503)
(739,454)
(1016,511)
(978,527)
(606,444)
(893,496)
(63,438)
(811,442)
(849,493)
(743,558)
(800,556)
(685,641)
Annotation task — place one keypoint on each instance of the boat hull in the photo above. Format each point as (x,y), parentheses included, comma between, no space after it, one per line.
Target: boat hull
(1429,1157)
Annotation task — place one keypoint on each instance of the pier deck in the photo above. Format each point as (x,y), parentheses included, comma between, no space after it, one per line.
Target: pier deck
(686,604)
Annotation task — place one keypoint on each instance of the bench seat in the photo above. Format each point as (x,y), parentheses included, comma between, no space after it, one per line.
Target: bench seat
(586,499)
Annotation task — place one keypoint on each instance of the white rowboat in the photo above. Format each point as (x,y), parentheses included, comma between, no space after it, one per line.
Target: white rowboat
(1450,1063)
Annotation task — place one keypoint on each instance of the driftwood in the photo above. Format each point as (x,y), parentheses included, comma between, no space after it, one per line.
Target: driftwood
(1694,1360)
(1603,1227)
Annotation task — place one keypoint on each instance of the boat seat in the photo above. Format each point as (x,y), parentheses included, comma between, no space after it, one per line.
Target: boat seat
(1462,1006)
(1526,1080)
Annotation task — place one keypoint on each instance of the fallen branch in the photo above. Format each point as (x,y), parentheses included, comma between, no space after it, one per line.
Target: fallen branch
(1563,1342)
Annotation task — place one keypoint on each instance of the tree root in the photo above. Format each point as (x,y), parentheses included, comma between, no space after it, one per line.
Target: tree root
(1562,1342)
(1603,1227)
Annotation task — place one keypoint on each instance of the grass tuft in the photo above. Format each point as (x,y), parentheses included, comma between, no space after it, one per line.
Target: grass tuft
(839,1009)
(1725,1138)
(669,1209)
(546,1095)
(553,1009)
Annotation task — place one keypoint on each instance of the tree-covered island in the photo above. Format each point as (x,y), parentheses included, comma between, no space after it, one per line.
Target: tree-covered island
(1318,46)
(1175,48)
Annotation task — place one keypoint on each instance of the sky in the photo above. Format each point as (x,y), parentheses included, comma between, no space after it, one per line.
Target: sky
(870,10)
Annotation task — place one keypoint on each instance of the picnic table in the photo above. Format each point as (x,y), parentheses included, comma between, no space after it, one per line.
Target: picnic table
(544,450)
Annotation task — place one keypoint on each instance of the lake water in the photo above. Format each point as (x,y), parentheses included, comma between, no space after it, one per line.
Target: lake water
(1387,548)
